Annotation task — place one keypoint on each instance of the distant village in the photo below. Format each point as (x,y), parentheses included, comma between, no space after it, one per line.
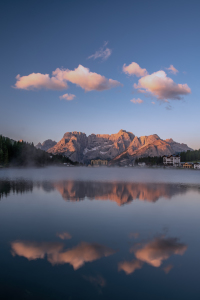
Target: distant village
(168,161)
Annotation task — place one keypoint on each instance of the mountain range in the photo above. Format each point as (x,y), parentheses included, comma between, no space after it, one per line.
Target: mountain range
(120,148)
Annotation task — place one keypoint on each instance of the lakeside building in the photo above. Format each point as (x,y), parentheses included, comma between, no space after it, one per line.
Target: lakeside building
(188,165)
(172,160)
(197,165)
(141,164)
(99,162)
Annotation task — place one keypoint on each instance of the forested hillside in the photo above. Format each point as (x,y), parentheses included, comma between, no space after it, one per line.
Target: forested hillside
(21,153)
(190,155)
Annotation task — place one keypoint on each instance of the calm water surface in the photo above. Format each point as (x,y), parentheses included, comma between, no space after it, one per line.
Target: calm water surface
(99,233)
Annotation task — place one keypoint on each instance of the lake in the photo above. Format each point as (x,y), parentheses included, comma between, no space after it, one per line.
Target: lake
(99,233)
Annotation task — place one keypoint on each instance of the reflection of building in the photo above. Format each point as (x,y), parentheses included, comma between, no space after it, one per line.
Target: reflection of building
(188,165)
(172,160)
(196,165)
(99,162)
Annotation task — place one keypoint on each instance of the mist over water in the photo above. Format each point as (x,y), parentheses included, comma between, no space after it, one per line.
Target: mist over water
(105,174)
(99,233)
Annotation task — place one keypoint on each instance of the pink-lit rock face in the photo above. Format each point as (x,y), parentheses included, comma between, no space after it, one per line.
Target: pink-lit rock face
(151,145)
(115,147)
(79,147)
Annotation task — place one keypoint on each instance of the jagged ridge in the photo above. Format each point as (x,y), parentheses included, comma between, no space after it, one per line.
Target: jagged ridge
(115,147)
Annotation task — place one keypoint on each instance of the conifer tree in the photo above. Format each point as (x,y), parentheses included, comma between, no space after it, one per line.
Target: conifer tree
(6,157)
(1,156)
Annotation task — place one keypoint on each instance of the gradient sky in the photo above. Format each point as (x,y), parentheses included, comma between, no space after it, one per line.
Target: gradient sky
(102,36)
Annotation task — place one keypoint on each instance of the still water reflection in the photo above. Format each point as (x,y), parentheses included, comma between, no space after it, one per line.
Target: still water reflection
(68,238)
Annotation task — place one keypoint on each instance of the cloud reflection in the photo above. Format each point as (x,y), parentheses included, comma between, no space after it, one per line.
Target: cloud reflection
(130,266)
(153,253)
(76,256)
(167,269)
(134,235)
(81,254)
(64,235)
(97,281)
(158,250)
(35,250)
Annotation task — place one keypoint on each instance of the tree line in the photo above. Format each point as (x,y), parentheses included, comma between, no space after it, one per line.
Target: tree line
(187,156)
(148,160)
(190,155)
(13,153)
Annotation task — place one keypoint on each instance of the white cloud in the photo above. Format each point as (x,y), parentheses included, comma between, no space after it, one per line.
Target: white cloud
(87,80)
(80,76)
(172,69)
(134,69)
(39,81)
(137,101)
(68,97)
(103,53)
(161,86)
(153,102)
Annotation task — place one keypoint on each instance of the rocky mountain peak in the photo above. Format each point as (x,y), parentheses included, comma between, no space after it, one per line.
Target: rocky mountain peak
(169,140)
(82,148)
(46,145)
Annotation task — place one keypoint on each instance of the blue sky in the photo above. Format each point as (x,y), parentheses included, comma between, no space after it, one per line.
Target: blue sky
(41,36)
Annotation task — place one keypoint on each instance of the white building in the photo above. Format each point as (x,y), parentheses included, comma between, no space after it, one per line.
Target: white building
(142,164)
(196,165)
(172,160)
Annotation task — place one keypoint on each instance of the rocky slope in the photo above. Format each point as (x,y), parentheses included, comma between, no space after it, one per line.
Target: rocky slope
(46,145)
(149,146)
(78,147)
(120,148)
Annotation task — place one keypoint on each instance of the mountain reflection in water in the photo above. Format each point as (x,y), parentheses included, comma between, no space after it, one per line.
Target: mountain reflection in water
(119,192)
(77,239)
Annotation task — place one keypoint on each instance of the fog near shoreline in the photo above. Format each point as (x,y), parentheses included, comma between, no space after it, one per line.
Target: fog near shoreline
(104,174)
